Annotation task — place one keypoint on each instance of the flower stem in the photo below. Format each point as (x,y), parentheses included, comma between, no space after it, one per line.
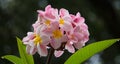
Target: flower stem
(50,56)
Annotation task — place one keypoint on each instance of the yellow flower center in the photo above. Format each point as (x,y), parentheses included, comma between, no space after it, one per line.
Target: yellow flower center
(57,34)
(37,40)
(47,22)
(61,21)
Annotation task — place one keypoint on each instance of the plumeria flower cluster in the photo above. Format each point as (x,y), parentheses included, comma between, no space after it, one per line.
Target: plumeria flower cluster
(55,29)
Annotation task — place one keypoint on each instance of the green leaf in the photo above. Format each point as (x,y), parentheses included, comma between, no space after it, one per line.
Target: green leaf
(26,58)
(89,50)
(13,59)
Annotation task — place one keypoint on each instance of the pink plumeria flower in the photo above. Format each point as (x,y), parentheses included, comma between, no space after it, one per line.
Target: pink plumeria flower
(57,36)
(79,35)
(49,15)
(65,20)
(36,42)
(77,20)
(82,34)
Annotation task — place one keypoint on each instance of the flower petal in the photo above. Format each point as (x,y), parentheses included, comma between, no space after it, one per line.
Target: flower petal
(42,50)
(48,7)
(30,36)
(79,45)
(63,12)
(31,43)
(31,50)
(78,14)
(54,26)
(55,43)
(45,39)
(25,40)
(70,47)
(67,26)
(40,13)
(58,53)
(51,13)
(64,38)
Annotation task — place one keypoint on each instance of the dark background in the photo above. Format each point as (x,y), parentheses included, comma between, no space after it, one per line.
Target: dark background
(102,17)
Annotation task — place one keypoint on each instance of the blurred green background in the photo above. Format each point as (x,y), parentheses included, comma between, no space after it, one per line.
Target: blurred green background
(102,17)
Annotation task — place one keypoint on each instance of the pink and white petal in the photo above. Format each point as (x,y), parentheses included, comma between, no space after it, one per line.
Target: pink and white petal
(30,36)
(67,26)
(31,50)
(84,26)
(30,33)
(42,50)
(67,18)
(79,36)
(74,39)
(40,13)
(50,13)
(48,31)
(72,16)
(34,51)
(78,14)
(48,7)
(54,26)
(79,21)
(56,43)
(63,12)
(25,40)
(52,43)
(40,29)
(70,47)
(58,53)
(64,38)
(35,25)
(31,43)
(86,38)
(77,29)
(45,39)
(56,14)
(79,45)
